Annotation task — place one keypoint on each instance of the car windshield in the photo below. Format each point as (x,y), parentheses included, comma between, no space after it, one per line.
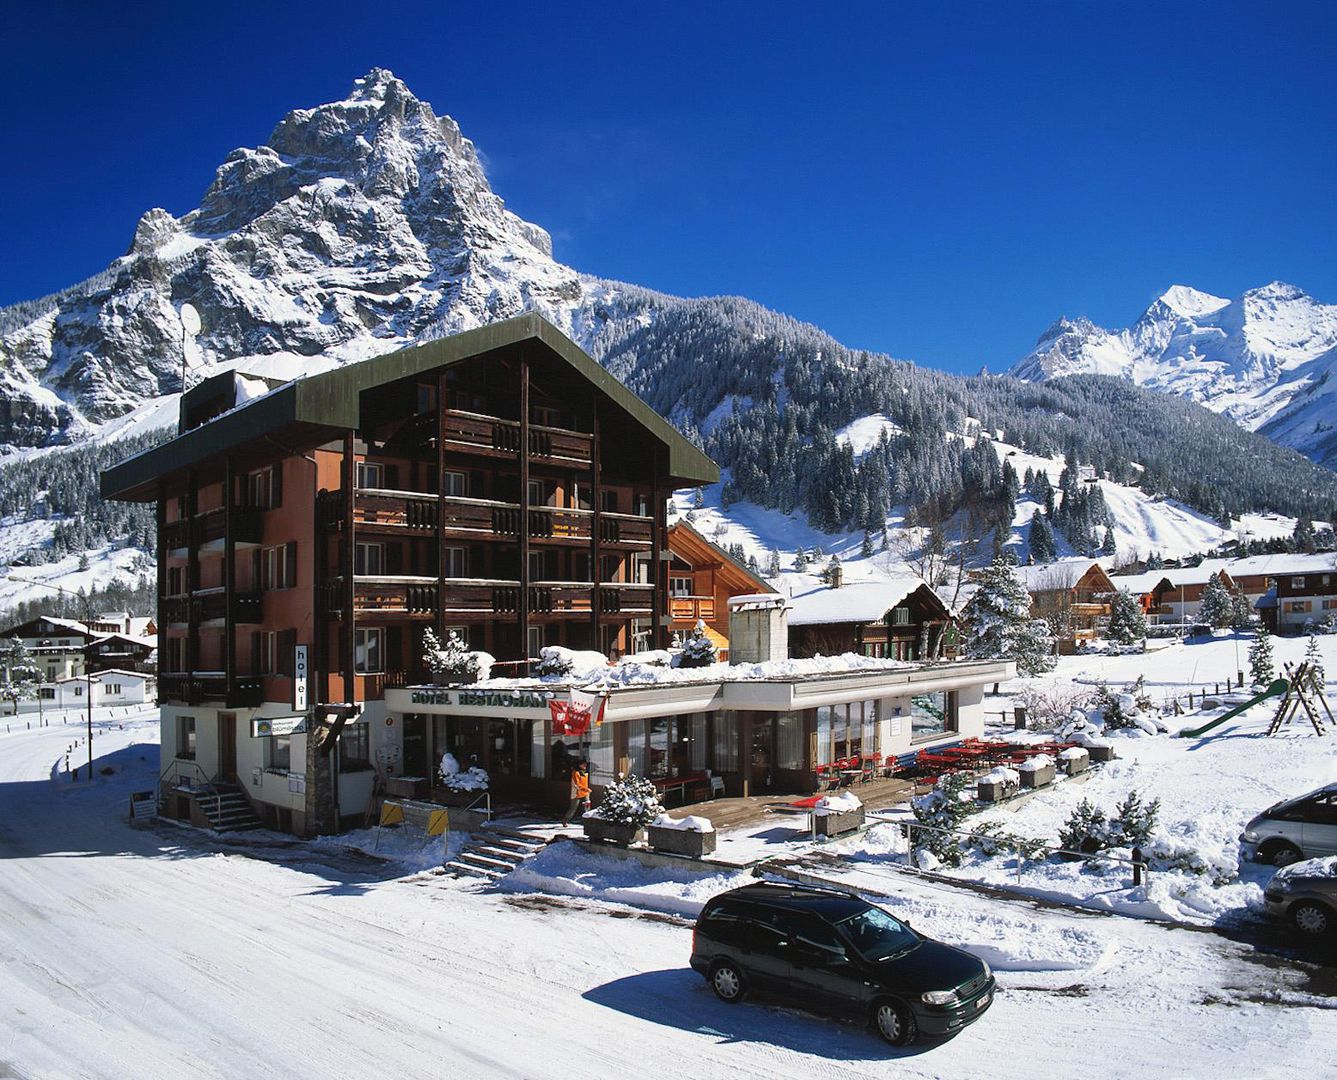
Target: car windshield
(876,935)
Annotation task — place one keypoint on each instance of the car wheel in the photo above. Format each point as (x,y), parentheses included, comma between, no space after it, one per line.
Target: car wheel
(1311,919)
(1284,855)
(895,1023)
(727,982)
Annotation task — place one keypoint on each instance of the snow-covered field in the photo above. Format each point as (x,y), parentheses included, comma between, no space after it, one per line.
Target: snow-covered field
(164,952)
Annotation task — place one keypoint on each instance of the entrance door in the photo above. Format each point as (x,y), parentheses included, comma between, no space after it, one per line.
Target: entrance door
(227,745)
(415,745)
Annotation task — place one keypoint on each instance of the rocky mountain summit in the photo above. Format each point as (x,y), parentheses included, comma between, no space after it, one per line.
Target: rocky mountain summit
(1266,359)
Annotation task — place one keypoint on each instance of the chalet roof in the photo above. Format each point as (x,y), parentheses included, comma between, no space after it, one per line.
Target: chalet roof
(858,601)
(1061,574)
(63,626)
(99,676)
(684,540)
(328,403)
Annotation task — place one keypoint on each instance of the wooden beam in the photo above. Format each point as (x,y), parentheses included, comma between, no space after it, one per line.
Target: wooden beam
(522,606)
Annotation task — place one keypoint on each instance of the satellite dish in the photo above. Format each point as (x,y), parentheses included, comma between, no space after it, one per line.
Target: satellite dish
(190,319)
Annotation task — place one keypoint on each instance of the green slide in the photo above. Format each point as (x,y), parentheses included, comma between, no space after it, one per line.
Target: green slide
(1276,689)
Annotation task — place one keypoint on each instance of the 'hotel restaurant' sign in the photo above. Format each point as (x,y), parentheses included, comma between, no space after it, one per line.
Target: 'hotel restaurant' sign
(486,699)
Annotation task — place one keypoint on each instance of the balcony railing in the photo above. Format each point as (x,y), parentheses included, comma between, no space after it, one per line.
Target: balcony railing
(691,608)
(478,433)
(211,606)
(211,526)
(195,688)
(417,597)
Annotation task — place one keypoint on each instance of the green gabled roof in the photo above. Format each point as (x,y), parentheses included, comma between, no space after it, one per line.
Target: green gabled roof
(329,403)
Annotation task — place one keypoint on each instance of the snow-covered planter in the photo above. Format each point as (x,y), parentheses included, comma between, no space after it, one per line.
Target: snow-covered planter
(463,784)
(629,804)
(558,662)
(1037,771)
(1074,760)
(1098,750)
(996,784)
(692,837)
(835,815)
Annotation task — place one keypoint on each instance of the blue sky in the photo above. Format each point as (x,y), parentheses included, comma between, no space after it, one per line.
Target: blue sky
(936,181)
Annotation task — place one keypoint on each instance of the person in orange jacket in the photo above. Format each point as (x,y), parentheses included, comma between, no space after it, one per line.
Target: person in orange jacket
(580,791)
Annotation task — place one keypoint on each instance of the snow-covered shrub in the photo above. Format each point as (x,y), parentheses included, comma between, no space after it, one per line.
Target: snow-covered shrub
(1134,821)
(1164,857)
(1048,706)
(989,838)
(698,650)
(452,662)
(556,661)
(1086,829)
(1315,678)
(629,800)
(457,779)
(1126,709)
(943,810)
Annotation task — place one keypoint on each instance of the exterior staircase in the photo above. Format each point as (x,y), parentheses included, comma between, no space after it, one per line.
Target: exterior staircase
(227,810)
(494,851)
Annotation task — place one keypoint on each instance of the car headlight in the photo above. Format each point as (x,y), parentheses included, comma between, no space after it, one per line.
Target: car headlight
(987,969)
(941,997)
(1249,836)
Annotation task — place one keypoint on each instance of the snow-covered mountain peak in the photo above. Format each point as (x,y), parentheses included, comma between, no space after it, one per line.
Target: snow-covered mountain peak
(1248,358)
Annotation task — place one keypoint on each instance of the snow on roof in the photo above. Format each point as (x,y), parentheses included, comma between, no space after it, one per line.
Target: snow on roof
(98,676)
(68,624)
(855,601)
(1063,573)
(1252,566)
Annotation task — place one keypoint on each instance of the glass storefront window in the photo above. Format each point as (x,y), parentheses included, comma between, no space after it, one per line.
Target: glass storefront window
(789,741)
(636,747)
(657,763)
(538,751)
(698,736)
(725,742)
(824,725)
(932,714)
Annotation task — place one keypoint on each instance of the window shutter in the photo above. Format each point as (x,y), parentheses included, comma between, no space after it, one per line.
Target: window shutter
(276,486)
(290,559)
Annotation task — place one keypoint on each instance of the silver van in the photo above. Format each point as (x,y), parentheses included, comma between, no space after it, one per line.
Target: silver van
(1294,829)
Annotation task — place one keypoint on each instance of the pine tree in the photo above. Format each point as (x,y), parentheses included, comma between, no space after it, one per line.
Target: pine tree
(1217,609)
(866,548)
(832,572)
(801,560)
(1127,622)
(1261,670)
(1108,547)
(1041,539)
(699,498)
(1000,626)
(773,567)
(1241,612)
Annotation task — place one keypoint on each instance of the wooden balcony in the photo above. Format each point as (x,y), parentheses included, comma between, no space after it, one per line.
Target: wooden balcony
(210,527)
(491,436)
(211,606)
(416,598)
(195,688)
(690,609)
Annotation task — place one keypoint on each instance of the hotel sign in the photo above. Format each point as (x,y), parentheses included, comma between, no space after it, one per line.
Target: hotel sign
(482,699)
(275,725)
(299,678)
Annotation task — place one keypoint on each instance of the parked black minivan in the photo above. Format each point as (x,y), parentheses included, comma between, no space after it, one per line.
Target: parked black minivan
(818,948)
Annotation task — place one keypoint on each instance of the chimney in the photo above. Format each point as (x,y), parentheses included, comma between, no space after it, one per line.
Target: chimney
(758,628)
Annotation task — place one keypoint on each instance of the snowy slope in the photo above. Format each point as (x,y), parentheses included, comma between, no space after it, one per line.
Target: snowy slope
(1265,359)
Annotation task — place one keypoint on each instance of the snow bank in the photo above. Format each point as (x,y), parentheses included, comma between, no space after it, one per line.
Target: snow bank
(568,869)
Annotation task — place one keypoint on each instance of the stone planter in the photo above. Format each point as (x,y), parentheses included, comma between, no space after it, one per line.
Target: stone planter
(1075,764)
(1034,778)
(1100,754)
(992,790)
(682,841)
(611,832)
(837,824)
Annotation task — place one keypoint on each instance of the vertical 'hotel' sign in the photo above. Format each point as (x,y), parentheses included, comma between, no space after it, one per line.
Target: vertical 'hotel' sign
(299,674)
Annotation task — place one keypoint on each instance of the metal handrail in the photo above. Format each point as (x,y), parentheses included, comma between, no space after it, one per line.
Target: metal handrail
(486,800)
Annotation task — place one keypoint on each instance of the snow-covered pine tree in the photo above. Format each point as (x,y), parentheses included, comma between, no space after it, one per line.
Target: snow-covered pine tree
(1261,670)
(1000,626)
(866,548)
(800,560)
(1127,623)
(452,662)
(1241,611)
(753,565)
(773,566)
(699,498)
(1217,609)
(1041,539)
(1108,546)
(698,650)
(832,574)
(1315,676)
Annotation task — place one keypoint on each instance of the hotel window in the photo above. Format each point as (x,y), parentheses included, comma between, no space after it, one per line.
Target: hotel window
(370,475)
(680,586)
(456,562)
(280,753)
(176,576)
(535,642)
(900,616)
(608,502)
(1297,583)
(454,483)
(264,488)
(185,737)
(264,652)
(1299,606)
(1330,604)
(367,656)
(643,505)
(932,715)
(368,559)
(537,494)
(278,566)
(354,748)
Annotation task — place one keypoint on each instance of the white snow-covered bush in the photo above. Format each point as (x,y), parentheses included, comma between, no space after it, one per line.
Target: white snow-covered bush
(458,779)
(844,802)
(944,810)
(1049,705)
(691,823)
(629,800)
(556,661)
(698,650)
(454,661)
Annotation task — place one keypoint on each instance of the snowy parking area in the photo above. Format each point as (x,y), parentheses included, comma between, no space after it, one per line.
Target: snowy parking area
(162,952)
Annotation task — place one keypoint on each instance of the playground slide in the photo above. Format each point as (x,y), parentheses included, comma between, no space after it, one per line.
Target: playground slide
(1277,688)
